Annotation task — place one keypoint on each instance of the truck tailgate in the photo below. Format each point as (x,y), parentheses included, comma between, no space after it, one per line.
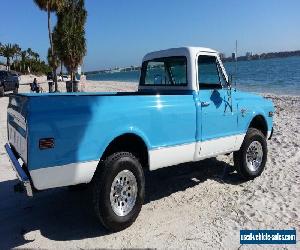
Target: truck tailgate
(17,125)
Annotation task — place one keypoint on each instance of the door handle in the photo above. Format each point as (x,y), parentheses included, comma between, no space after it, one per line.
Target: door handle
(205,104)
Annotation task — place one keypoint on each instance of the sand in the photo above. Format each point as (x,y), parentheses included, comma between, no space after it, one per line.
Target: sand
(195,205)
(85,85)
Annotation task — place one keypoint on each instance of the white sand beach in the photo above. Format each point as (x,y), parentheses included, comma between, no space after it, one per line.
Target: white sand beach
(196,205)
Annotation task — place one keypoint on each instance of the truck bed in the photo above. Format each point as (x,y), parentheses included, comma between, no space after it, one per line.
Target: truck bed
(83,124)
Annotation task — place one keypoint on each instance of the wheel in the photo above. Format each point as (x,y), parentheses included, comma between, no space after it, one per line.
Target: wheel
(1,91)
(251,159)
(118,191)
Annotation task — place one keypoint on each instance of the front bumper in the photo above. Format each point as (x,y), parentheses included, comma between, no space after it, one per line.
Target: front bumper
(22,176)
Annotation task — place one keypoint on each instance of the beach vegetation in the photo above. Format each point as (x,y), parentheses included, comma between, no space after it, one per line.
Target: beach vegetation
(50,6)
(69,35)
(23,61)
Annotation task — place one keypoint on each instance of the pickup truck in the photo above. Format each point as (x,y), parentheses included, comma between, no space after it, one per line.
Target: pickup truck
(184,110)
(9,81)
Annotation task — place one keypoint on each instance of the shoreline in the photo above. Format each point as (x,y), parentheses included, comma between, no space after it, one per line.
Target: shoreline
(113,86)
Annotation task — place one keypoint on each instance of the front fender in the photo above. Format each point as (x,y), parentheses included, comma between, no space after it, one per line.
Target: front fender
(247,113)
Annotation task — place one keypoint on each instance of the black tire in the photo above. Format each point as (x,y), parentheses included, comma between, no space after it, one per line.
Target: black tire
(1,91)
(102,184)
(240,158)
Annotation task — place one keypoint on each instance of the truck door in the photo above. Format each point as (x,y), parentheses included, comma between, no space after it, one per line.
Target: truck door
(216,114)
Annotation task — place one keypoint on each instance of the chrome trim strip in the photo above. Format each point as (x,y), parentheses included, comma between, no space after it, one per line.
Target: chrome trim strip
(16,114)
(21,175)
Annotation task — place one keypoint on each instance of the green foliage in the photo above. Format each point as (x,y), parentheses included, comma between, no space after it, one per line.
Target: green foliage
(52,60)
(49,5)
(69,39)
(8,51)
(23,61)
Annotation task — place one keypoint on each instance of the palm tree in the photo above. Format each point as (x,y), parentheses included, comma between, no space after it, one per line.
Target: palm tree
(50,6)
(23,59)
(36,56)
(70,35)
(30,54)
(1,49)
(17,50)
(8,52)
(52,60)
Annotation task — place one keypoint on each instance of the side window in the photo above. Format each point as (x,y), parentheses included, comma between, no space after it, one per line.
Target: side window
(165,71)
(208,73)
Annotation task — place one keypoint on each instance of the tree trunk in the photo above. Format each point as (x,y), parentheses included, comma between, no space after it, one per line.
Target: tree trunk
(61,67)
(51,46)
(8,63)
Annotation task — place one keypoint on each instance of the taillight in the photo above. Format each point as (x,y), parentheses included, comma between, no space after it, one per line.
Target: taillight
(46,143)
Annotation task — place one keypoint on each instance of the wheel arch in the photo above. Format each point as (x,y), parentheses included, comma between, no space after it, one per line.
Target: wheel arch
(130,142)
(259,122)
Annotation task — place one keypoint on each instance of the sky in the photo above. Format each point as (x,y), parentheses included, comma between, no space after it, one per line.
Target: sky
(120,32)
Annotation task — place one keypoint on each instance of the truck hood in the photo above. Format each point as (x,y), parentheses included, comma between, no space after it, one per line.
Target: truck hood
(254,99)
(246,95)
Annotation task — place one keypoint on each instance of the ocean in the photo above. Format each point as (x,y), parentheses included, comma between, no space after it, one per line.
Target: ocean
(277,75)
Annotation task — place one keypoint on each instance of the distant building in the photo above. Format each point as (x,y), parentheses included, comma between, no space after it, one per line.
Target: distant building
(233,56)
(248,55)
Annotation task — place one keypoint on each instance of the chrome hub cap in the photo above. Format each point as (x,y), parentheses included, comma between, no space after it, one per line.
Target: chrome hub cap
(254,155)
(123,193)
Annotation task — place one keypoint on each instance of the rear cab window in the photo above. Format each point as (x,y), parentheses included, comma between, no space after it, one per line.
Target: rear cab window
(167,71)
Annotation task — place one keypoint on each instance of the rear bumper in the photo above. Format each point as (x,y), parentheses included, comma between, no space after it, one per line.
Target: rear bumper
(22,176)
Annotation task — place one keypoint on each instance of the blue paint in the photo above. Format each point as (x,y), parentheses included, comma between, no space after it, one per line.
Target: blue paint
(84,124)
(219,118)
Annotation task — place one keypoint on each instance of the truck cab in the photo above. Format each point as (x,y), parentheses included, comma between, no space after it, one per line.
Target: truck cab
(222,113)
(185,110)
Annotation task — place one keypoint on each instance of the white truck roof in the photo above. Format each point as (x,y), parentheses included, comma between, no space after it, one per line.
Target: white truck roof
(191,53)
(182,51)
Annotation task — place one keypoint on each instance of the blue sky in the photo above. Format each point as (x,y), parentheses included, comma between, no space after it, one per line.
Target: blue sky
(120,32)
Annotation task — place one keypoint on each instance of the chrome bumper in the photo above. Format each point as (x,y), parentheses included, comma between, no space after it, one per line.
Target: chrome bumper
(22,176)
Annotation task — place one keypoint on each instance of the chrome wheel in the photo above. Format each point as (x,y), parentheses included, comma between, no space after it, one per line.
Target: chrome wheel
(123,193)
(254,156)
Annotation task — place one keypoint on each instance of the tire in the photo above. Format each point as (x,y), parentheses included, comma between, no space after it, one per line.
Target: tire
(1,91)
(251,159)
(115,208)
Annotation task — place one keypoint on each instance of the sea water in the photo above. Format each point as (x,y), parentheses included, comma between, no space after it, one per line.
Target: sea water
(277,75)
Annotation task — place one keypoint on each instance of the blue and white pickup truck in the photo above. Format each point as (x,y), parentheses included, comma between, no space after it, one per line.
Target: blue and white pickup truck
(184,110)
